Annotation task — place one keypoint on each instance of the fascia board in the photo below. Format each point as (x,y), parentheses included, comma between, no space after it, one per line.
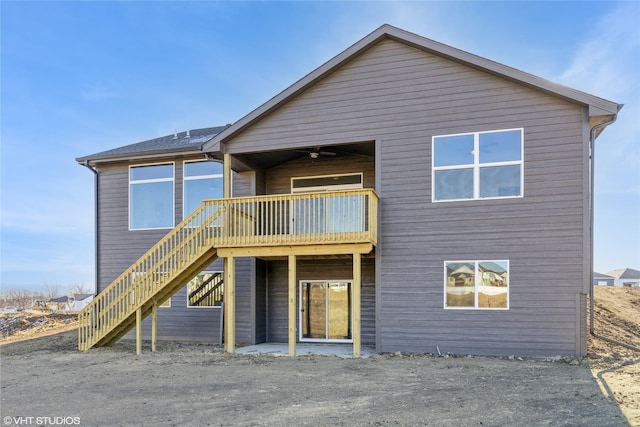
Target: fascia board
(139,156)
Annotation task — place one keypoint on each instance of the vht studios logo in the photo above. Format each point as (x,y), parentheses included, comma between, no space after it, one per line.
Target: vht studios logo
(41,421)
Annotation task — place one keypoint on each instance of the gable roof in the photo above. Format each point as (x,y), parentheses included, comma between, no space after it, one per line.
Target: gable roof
(625,273)
(597,106)
(189,141)
(597,275)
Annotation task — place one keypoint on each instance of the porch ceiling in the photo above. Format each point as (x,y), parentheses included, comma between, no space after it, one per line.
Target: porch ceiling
(270,159)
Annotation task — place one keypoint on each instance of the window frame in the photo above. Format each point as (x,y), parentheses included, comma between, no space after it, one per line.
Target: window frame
(200,307)
(476,166)
(323,188)
(300,307)
(185,178)
(151,181)
(477,282)
(323,206)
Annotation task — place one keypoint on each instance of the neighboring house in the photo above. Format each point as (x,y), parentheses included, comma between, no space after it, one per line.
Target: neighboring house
(59,303)
(625,277)
(600,279)
(405,195)
(79,301)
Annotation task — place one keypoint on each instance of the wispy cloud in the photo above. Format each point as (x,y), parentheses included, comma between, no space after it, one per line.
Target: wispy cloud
(607,64)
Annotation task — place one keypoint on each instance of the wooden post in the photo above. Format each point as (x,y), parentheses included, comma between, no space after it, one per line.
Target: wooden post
(292,305)
(357,279)
(154,326)
(230,304)
(226,180)
(139,331)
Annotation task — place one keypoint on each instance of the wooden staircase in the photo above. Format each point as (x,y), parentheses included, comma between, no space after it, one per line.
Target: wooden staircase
(167,267)
(289,223)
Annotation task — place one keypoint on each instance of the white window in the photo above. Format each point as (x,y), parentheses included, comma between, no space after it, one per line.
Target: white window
(151,196)
(479,165)
(326,183)
(205,290)
(476,284)
(202,181)
(329,213)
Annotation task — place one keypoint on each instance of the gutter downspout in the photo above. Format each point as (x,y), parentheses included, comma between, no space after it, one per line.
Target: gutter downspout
(592,329)
(96,215)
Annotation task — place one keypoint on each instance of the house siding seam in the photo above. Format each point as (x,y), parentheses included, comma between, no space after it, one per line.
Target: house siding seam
(403,96)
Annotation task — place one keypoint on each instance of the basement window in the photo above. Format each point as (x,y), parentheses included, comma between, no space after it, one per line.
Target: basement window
(476,284)
(205,290)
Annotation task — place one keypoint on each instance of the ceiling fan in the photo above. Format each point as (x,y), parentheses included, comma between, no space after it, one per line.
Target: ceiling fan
(316,152)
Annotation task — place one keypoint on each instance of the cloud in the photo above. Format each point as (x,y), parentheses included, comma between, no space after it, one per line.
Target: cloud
(606,64)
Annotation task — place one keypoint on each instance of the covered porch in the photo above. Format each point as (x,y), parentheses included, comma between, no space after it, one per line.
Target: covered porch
(290,226)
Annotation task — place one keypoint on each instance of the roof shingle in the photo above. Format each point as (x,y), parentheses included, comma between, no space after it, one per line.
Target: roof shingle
(192,139)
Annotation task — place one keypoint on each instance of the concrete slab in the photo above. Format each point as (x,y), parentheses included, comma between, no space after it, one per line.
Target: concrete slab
(344,351)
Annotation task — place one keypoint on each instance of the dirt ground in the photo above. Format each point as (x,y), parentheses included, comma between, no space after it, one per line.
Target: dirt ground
(46,381)
(616,368)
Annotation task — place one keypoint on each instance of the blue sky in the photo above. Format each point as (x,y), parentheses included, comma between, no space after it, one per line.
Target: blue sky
(82,77)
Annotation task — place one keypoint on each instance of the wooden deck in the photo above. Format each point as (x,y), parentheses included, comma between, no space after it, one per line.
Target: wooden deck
(289,225)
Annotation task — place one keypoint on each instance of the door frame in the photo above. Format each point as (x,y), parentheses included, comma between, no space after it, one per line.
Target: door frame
(301,337)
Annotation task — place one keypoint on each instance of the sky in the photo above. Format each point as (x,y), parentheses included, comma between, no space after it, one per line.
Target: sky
(79,77)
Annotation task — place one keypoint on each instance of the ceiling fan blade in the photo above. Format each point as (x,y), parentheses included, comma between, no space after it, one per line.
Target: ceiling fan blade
(351,153)
(326,153)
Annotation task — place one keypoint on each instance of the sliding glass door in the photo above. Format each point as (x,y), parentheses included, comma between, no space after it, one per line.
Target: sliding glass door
(325,311)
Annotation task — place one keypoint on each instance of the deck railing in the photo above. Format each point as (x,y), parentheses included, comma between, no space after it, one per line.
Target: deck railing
(298,219)
(290,219)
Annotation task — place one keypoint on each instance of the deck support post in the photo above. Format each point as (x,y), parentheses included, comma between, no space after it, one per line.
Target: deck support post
(292,305)
(154,326)
(139,331)
(226,175)
(230,304)
(357,279)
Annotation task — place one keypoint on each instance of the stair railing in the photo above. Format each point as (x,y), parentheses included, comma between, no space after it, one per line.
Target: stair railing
(150,273)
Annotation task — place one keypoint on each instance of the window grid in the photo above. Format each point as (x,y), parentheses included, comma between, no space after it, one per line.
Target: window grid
(476,166)
(487,277)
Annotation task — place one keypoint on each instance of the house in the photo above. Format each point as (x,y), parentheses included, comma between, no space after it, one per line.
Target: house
(405,195)
(625,277)
(79,301)
(59,303)
(600,279)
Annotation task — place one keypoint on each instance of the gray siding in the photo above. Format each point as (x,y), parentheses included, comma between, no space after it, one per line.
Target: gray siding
(401,97)
(119,248)
(317,270)
(278,179)
(247,316)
